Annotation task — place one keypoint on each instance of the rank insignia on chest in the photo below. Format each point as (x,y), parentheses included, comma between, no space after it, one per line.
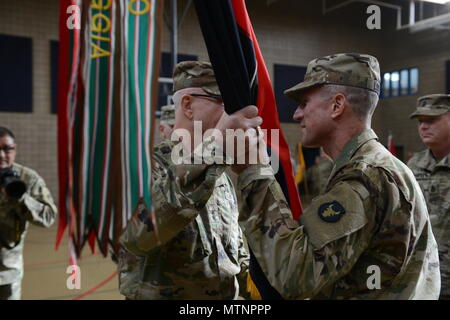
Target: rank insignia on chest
(331,211)
(422,175)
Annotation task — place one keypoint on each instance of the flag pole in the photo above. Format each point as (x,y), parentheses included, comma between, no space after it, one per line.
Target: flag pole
(174,33)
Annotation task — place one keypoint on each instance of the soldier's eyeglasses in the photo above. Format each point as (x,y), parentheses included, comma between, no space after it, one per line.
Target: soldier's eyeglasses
(7,149)
(217,98)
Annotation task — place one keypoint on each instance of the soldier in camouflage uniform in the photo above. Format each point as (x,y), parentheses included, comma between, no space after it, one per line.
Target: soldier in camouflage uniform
(432,170)
(35,205)
(191,247)
(167,121)
(368,236)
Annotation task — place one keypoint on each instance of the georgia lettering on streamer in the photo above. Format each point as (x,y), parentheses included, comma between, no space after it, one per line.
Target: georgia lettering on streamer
(101,24)
(100,27)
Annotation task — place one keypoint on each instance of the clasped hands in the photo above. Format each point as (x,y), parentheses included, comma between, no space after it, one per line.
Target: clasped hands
(242,138)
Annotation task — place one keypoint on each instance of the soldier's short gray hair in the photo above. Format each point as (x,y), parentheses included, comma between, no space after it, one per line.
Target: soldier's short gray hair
(176,98)
(362,101)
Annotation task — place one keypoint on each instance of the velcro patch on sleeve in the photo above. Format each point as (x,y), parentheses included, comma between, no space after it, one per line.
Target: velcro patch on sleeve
(334,215)
(331,211)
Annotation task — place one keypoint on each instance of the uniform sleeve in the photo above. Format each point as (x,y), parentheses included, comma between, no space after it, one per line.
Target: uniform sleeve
(243,260)
(38,205)
(301,259)
(179,192)
(411,163)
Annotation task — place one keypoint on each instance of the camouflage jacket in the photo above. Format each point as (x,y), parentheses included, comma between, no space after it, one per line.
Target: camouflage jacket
(35,206)
(318,175)
(368,236)
(434,179)
(193,248)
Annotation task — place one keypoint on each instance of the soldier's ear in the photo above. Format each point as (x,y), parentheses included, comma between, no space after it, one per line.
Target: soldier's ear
(186,106)
(339,105)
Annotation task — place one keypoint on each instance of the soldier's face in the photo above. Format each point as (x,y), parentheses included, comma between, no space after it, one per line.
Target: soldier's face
(7,152)
(314,117)
(208,110)
(434,131)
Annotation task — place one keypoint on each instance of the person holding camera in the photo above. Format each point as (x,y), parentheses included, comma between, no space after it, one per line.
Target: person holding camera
(24,198)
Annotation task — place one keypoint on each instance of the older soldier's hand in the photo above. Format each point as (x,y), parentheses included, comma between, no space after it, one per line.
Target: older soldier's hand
(245,118)
(243,138)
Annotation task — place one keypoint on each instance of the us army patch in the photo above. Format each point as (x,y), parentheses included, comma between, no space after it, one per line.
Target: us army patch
(331,211)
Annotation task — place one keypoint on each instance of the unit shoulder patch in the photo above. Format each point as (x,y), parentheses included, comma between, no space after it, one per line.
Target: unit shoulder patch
(331,211)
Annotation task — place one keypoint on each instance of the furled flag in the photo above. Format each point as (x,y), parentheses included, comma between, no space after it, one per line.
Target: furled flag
(243,80)
(108,72)
(391,145)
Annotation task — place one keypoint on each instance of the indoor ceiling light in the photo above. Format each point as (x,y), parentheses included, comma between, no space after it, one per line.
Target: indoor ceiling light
(437,1)
(395,77)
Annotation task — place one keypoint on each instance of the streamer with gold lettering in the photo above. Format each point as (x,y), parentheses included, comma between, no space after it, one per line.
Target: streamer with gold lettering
(108,71)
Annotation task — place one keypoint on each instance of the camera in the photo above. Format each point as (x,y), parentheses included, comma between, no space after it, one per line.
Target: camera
(14,187)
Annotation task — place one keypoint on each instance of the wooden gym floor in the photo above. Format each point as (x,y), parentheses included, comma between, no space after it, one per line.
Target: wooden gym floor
(45,274)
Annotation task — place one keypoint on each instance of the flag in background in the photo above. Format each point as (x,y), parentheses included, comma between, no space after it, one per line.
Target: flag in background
(243,80)
(108,72)
(242,76)
(301,166)
(391,145)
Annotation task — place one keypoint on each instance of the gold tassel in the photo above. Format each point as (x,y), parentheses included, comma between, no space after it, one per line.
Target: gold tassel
(252,289)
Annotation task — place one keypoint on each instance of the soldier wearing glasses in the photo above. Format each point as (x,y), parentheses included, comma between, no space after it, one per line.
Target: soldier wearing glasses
(192,246)
(24,198)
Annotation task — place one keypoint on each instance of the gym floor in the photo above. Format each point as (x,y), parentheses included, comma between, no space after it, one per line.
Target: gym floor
(45,276)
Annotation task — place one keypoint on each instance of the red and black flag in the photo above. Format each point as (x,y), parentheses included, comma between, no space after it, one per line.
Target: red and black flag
(243,80)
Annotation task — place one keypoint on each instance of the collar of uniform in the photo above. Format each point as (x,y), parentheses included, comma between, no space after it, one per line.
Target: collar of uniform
(351,147)
(444,162)
(17,168)
(426,160)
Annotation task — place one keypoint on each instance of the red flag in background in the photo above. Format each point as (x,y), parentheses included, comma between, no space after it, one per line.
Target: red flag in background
(268,111)
(391,145)
(243,80)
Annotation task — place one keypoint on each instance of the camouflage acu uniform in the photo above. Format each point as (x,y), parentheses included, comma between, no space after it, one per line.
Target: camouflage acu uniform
(35,206)
(318,175)
(168,115)
(191,247)
(195,250)
(372,216)
(434,179)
